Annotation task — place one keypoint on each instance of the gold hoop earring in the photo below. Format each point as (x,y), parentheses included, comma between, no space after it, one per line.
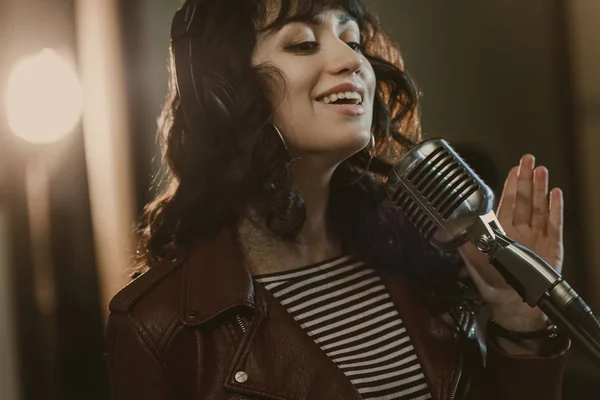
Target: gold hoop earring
(371,155)
(280,136)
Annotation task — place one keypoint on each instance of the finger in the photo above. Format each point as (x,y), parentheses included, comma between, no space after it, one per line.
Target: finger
(509,194)
(523,202)
(539,215)
(555,220)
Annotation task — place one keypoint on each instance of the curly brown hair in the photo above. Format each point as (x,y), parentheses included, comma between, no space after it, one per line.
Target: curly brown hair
(217,171)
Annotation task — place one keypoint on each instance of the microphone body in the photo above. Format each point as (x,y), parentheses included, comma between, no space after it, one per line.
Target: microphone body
(450,205)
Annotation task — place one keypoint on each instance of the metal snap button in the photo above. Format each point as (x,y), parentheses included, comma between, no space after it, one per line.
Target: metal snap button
(241,377)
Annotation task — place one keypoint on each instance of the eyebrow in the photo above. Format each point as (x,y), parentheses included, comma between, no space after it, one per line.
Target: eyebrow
(317,19)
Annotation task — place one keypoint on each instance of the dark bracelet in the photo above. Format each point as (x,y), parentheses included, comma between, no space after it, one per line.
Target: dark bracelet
(549,332)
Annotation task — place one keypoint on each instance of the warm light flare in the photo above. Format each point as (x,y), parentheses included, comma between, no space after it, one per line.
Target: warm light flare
(44,98)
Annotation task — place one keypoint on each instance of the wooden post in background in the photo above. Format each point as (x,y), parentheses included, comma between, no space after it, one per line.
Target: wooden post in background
(107,140)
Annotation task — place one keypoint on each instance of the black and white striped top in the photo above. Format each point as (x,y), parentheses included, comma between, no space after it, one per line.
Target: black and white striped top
(344,307)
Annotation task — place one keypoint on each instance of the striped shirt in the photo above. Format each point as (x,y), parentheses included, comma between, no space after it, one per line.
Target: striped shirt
(343,305)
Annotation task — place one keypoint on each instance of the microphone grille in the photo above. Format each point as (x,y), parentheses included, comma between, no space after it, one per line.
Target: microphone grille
(438,192)
(415,214)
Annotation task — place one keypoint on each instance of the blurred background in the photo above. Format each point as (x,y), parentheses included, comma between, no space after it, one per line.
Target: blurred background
(81,84)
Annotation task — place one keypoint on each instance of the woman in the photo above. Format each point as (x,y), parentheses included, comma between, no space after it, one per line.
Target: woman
(276,266)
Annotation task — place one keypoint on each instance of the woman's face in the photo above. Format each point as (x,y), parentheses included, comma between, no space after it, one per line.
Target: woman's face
(326,106)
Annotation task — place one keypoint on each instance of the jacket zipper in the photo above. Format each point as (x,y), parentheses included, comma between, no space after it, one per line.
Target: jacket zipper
(460,366)
(458,376)
(241,323)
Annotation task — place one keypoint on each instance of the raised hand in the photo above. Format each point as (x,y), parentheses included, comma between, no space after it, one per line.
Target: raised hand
(533,217)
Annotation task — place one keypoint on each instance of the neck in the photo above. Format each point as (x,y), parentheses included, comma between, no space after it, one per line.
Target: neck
(265,254)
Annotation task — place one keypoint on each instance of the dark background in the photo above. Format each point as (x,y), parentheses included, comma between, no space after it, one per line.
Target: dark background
(500,79)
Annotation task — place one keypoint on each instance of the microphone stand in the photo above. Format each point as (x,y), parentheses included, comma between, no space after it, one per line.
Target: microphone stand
(539,284)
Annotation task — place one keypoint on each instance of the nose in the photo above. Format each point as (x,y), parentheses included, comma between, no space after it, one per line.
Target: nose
(343,59)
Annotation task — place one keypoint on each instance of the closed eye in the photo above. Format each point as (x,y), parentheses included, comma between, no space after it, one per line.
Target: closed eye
(304,47)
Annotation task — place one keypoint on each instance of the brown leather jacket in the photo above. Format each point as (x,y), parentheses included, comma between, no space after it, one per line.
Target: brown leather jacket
(198,327)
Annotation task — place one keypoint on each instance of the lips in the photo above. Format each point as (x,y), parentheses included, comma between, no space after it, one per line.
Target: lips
(344,109)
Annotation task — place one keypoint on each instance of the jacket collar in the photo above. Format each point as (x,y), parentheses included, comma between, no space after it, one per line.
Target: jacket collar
(208,264)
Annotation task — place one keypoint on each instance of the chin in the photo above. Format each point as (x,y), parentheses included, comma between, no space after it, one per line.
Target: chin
(362,139)
(355,143)
(339,144)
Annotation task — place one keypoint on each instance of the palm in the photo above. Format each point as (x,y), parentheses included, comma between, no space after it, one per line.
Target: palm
(550,249)
(530,218)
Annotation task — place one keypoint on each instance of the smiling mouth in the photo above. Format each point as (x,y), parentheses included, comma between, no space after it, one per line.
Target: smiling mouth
(342,98)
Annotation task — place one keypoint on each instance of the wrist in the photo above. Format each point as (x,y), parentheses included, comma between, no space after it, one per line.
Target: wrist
(531,320)
(524,343)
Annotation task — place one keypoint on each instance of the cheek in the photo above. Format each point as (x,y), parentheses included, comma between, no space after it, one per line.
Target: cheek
(297,88)
(370,80)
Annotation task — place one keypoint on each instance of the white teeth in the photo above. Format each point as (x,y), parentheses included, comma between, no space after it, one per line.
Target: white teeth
(342,95)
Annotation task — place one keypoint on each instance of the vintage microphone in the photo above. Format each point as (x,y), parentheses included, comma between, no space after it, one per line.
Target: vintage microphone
(450,205)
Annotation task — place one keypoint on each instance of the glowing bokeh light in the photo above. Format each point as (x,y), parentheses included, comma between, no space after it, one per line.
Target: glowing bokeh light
(44,98)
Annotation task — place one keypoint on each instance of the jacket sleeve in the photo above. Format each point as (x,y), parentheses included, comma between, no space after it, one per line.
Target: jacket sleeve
(512,377)
(135,369)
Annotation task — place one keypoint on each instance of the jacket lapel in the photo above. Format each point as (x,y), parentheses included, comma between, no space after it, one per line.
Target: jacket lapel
(281,360)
